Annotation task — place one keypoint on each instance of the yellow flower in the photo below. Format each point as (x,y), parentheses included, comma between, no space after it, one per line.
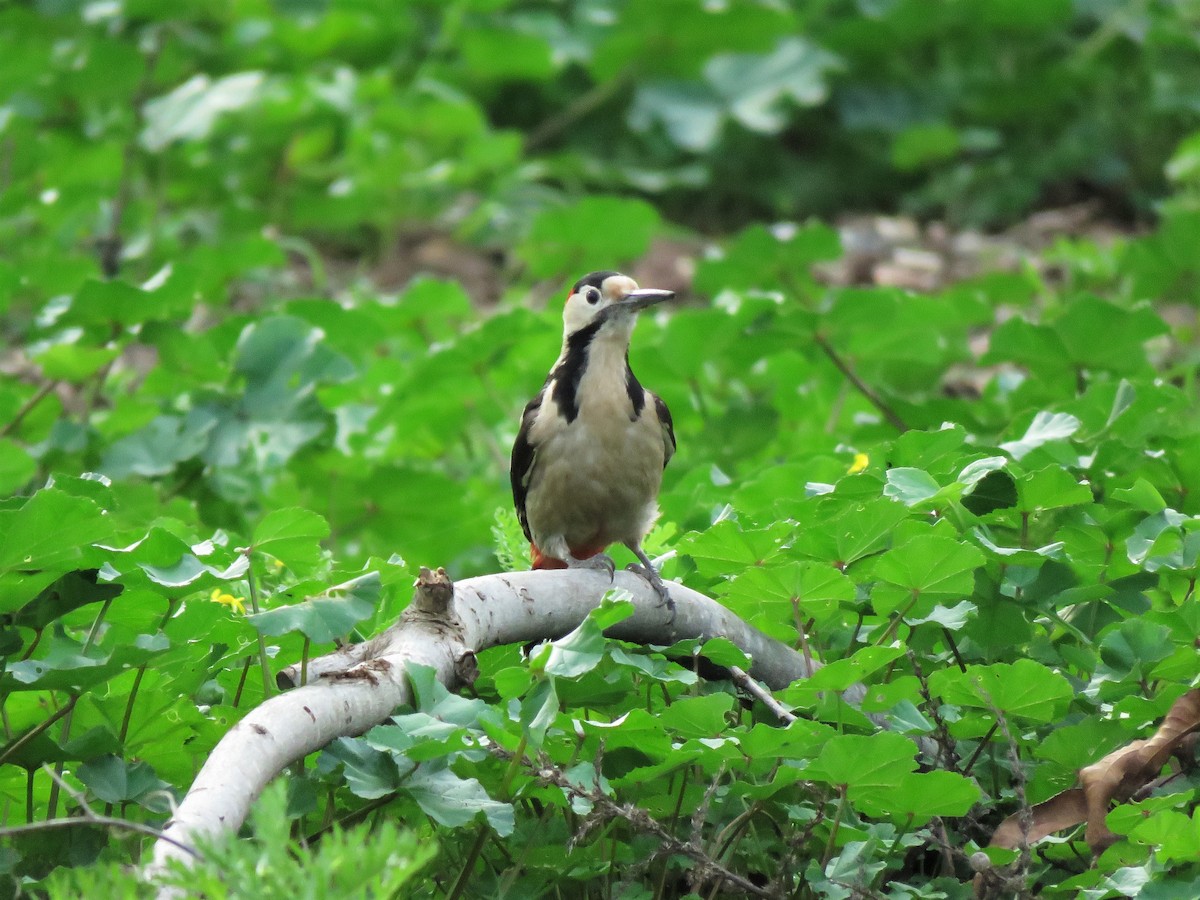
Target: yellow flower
(237,604)
(861,461)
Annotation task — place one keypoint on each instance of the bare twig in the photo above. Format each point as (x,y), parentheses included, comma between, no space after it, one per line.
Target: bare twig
(26,408)
(36,730)
(577,111)
(1016,881)
(947,754)
(983,742)
(110,246)
(743,680)
(91,817)
(861,386)
(637,818)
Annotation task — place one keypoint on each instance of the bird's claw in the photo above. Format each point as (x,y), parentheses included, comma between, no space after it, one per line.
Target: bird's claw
(656,582)
(601,562)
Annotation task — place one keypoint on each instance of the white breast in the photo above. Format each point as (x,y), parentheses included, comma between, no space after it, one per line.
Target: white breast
(595,481)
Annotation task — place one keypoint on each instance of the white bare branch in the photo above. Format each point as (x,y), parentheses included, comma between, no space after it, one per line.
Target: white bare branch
(359,686)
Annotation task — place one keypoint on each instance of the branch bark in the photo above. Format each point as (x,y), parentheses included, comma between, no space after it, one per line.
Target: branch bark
(359,686)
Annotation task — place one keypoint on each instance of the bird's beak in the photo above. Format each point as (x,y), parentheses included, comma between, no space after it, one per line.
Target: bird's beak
(643,297)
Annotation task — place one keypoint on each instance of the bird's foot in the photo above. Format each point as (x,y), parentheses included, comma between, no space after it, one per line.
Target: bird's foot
(601,562)
(656,582)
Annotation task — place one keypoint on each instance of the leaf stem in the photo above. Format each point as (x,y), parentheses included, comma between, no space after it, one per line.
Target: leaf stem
(262,644)
(513,765)
(464,876)
(831,843)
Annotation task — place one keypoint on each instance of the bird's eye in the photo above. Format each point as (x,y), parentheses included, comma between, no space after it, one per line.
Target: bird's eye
(593,296)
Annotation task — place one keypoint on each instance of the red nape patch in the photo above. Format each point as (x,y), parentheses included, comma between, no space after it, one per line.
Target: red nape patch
(541,561)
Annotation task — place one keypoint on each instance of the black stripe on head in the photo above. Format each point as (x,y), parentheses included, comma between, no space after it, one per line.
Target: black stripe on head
(568,373)
(593,279)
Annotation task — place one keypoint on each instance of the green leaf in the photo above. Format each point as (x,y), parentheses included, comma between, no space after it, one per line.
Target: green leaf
(293,536)
(996,490)
(921,796)
(920,145)
(1101,335)
(107,303)
(689,112)
(17,467)
(929,568)
(191,110)
(698,717)
(1133,648)
(113,780)
(321,619)
(583,649)
(1051,488)
(910,486)
(727,547)
(755,86)
(864,762)
(767,259)
(588,235)
(1142,495)
(50,530)
(71,591)
(455,801)
(505,54)
(369,773)
(1045,427)
(1024,689)
(162,445)
(71,362)
(769,596)
(1165,540)
(539,710)
(841,673)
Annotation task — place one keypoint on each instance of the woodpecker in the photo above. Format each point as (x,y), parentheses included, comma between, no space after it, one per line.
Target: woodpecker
(589,456)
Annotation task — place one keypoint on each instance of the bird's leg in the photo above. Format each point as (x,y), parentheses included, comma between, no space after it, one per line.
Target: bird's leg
(647,571)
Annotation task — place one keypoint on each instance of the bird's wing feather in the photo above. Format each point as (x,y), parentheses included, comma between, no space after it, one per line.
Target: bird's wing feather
(668,427)
(521,466)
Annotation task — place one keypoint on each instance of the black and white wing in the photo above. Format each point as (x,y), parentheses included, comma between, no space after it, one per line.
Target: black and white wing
(521,467)
(668,427)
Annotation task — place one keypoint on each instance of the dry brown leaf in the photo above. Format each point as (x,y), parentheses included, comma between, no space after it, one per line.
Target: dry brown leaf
(1059,812)
(1118,776)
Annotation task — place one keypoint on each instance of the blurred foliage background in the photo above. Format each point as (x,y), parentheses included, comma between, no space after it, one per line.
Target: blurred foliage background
(275,283)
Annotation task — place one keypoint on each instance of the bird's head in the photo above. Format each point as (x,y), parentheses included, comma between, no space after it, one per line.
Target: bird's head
(608,300)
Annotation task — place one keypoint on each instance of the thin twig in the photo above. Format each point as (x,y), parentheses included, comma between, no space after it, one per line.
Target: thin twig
(983,742)
(582,107)
(743,680)
(1025,812)
(639,819)
(861,386)
(90,817)
(941,734)
(112,244)
(36,730)
(26,408)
